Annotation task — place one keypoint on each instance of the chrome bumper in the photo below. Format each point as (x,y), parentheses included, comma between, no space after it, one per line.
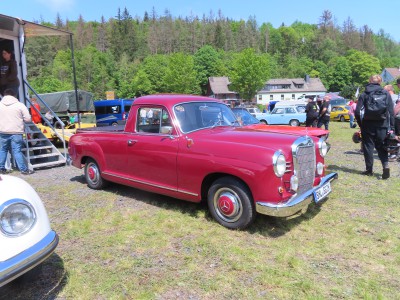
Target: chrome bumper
(295,205)
(28,259)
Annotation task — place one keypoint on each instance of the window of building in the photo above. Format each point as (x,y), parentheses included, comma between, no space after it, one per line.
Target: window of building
(293,96)
(282,97)
(259,97)
(271,97)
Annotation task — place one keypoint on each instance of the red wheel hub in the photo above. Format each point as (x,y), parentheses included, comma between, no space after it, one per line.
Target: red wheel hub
(226,205)
(92,173)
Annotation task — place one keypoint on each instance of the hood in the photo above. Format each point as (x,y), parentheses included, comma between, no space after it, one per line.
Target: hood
(296,130)
(371,87)
(9,100)
(247,136)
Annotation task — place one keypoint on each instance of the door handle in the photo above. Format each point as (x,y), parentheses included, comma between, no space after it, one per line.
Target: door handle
(131,142)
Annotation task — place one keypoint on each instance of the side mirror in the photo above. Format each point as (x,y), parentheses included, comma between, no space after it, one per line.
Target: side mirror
(166,129)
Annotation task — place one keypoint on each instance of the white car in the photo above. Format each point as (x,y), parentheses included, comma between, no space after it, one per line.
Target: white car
(26,238)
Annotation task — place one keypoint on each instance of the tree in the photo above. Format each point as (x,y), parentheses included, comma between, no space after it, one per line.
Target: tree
(208,63)
(249,73)
(362,65)
(339,74)
(181,76)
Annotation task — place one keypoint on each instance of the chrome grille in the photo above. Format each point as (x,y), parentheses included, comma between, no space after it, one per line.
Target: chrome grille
(304,163)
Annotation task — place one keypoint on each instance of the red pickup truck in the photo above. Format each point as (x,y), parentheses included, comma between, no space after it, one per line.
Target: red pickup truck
(193,148)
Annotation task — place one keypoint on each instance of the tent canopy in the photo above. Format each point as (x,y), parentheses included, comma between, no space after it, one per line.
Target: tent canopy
(10,26)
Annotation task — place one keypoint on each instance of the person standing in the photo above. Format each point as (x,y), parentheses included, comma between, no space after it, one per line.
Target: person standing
(353,106)
(9,73)
(13,114)
(375,123)
(311,113)
(397,117)
(35,113)
(325,113)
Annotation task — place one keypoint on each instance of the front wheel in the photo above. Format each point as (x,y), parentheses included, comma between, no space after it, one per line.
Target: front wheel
(294,123)
(230,203)
(93,175)
(342,119)
(264,122)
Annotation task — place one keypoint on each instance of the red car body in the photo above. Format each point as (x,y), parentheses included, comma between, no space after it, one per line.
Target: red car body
(193,148)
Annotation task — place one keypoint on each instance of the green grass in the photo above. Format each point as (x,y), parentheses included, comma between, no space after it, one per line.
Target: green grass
(125,244)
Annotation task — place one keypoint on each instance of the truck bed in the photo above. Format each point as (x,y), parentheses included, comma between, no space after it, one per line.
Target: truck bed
(118,128)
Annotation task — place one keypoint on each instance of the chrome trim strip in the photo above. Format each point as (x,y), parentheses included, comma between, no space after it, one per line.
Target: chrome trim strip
(28,259)
(295,204)
(150,184)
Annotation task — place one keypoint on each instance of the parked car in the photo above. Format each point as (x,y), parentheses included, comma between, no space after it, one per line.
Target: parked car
(340,113)
(26,238)
(195,150)
(338,101)
(284,115)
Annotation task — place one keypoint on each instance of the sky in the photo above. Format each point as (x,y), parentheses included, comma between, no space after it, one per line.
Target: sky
(362,12)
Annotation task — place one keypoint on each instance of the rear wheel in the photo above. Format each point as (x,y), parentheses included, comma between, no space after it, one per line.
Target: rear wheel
(93,175)
(264,122)
(294,123)
(114,124)
(230,203)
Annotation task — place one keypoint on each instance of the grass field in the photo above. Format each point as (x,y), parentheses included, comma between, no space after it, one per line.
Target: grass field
(122,243)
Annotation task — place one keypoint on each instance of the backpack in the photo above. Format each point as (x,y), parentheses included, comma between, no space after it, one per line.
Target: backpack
(375,106)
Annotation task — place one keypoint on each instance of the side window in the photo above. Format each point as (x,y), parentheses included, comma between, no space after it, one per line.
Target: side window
(290,110)
(279,111)
(153,120)
(115,109)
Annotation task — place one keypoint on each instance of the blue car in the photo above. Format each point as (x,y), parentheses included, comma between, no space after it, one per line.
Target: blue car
(284,115)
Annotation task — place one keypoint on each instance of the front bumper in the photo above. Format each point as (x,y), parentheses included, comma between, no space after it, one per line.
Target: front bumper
(296,204)
(28,259)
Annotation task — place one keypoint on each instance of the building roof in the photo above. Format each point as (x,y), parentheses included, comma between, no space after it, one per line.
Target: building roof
(219,85)
(309,85)
(395,72)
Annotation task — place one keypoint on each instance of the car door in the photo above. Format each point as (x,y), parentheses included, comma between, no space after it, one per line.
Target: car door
(152,150)
(276,116)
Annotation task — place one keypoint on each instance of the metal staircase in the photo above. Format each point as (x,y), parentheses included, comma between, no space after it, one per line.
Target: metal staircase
(39,151)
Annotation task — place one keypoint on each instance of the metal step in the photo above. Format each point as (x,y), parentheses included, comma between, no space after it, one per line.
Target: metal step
(51,156)
(38,148)
(32,131)
(48,164)
(45,155)
(37,140)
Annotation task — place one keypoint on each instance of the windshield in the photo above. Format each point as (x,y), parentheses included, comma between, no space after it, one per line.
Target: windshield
(244,117)
(198,115)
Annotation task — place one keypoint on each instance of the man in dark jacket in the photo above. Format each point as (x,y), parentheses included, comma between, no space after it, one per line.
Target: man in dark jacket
(312,111)
(374,131)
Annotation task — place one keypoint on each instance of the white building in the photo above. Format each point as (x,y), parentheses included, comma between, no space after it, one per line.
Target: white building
(290,89)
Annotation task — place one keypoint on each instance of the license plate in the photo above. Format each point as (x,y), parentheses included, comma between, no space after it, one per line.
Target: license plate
(322,192)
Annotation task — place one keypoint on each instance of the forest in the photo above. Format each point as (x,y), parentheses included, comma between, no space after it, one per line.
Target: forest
(159,53)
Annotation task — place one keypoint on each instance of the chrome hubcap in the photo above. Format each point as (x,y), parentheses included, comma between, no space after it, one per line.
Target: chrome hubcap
(227,205)
(93,173)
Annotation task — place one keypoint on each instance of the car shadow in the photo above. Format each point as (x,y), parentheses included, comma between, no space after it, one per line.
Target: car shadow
(45,281)
(127,194)
(263,225)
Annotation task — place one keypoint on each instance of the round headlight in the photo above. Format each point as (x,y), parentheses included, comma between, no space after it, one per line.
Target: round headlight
(17,217)
(323,147)
(279,163)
